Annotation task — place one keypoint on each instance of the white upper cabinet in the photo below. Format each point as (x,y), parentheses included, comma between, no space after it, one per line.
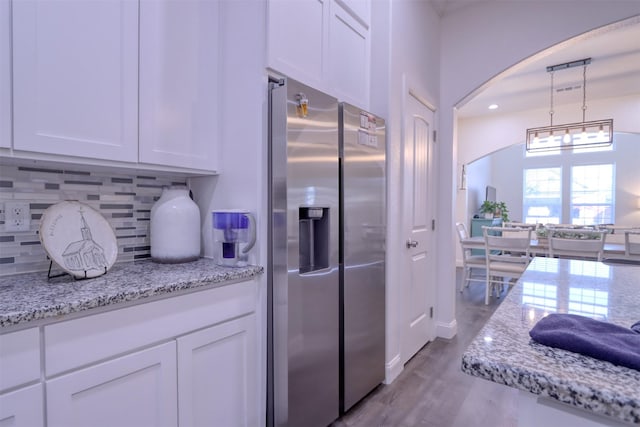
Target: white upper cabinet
(325,44)
(350,53)
(297,39)
(120,80)
(5,75)
(179,83)
(75,76)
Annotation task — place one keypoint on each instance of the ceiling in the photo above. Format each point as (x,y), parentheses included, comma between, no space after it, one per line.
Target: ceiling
(614,71)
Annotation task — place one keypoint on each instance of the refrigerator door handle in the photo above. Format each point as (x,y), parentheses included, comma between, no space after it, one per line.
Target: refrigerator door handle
(412,244)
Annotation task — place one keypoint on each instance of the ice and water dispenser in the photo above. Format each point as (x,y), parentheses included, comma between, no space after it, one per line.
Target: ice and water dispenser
(234,234)
(313,223)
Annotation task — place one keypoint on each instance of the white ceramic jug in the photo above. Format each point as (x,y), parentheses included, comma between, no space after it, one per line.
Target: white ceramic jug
(175,227)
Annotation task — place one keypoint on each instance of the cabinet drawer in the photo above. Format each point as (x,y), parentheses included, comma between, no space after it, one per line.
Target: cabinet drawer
(79,342)
(19,358)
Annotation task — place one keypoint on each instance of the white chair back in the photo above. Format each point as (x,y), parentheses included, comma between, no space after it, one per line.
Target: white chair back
(469,261)
(462,231)
(632,244)
(507,253)
(520,225)
(576,243)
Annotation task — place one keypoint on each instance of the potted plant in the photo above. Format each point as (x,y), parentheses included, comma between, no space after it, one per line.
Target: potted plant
(488,208)
(501,211)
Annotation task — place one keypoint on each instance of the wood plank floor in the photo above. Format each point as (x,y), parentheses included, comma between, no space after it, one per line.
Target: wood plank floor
(432,391)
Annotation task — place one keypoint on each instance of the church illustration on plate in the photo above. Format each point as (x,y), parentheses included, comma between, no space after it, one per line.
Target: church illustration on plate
(84,254)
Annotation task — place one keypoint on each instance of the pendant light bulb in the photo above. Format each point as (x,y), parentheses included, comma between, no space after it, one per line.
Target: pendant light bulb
(567,137)
(601,134)
(584,135)
(536,139)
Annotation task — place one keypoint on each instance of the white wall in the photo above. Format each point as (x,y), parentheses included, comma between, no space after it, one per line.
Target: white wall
(479,136)
(405,37)
(508,164)
(479,42)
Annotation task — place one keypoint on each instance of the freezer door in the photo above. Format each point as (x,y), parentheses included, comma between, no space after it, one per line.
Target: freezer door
(363,183)
(304,180)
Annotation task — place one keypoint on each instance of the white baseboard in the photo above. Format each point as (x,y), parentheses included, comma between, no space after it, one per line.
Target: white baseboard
(393,369)
(447,330)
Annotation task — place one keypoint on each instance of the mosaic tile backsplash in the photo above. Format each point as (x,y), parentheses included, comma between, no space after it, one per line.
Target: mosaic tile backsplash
(124,200)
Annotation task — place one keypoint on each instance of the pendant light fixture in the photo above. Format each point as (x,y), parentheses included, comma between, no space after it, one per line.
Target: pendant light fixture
(598,133)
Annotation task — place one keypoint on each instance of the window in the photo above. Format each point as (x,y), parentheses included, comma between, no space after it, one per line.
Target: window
(542,195)
(592,194)
(590,190)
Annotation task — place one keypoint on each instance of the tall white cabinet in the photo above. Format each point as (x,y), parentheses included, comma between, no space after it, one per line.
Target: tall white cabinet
(75,72)
(323,43)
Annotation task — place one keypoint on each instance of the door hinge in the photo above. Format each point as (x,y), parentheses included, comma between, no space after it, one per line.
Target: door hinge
(435,135)
(433,224)
(431,312)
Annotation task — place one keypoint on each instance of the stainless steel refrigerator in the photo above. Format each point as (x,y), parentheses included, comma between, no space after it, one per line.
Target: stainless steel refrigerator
(326,258)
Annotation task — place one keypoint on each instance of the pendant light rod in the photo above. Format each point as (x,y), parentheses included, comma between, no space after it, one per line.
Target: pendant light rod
(592,134)
(578,63)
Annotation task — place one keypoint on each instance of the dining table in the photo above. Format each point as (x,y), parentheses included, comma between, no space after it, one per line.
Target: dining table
(540,247)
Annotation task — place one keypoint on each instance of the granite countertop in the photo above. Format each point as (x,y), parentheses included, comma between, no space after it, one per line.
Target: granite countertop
(28,297)
(504,353)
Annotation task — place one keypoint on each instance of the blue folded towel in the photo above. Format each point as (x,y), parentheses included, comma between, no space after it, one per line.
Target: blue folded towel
(590,337)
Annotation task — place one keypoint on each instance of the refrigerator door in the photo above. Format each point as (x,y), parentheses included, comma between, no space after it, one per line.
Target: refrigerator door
(363,153)
(305,278)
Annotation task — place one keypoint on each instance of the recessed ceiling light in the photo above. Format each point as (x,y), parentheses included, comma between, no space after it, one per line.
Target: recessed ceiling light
(493,107)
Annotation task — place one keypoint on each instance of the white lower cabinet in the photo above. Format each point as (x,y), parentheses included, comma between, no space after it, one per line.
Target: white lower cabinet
(22,408)
(190,360)
(217,375)
(134,390)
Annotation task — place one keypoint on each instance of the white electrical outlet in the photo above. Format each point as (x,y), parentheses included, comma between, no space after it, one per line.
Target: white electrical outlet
(17,216)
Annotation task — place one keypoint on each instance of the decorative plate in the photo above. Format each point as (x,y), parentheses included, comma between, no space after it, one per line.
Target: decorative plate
(78,238)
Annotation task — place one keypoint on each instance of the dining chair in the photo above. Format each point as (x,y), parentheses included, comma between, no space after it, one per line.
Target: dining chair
(507,254)
(469,261)
(576,243)
(632,245)
(520,225)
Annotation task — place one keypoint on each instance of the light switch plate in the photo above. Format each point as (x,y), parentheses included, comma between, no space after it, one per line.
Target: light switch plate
(17,216)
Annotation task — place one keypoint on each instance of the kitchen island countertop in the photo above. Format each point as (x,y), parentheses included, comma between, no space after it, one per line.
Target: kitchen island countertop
(504,353)
(29,297)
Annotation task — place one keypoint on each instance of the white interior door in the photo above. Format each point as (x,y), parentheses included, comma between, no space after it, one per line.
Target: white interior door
(418,292)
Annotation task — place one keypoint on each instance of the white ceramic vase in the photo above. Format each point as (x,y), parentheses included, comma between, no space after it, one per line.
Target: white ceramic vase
(175,227)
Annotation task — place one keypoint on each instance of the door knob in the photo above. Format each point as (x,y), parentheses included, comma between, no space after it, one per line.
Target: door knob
(411,244)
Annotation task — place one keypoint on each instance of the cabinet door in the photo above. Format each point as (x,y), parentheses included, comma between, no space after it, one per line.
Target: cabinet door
(134,390)
(349,55)
(75,77)
(22,408)
(218,379)
(297,39)
(179,83)
(19,358)
(5,74)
